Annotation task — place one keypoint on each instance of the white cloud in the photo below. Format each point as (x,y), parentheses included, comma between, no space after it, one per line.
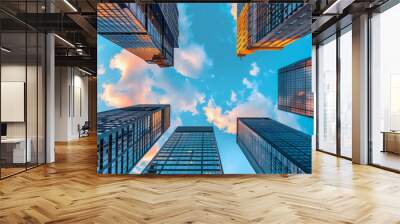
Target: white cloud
(254,69)
(142,83)
(233,96)
(101,70)
(184,25)
(191,60)
(248,84)
(234,10)
(255,105)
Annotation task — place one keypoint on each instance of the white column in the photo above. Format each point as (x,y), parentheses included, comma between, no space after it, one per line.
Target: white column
(360,90)
(50,98)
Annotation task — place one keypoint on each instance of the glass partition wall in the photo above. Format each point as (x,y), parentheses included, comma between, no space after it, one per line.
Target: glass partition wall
(345,62)
(385,89)
(334,69)
(334,83)
(327,95)
(22,77)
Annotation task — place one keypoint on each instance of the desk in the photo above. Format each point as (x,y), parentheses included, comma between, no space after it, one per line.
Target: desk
(391,141)
(13,150)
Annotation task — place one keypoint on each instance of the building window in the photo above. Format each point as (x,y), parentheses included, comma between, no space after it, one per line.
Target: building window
(385,89)
(346,92)
(327,95)
(294,88)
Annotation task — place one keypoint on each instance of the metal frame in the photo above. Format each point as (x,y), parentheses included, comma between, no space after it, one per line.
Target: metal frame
(36,164)
(369,104)
(338,100)
(337,34)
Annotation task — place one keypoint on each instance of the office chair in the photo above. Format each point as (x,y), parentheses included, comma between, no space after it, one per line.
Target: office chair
(84,130)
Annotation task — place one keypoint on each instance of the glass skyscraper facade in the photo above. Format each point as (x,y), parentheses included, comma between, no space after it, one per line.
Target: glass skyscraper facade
(270,26)
(124,135)
(274,148)
(295,88)
(149,31)
(189,150)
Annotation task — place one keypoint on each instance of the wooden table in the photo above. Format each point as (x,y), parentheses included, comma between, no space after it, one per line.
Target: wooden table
(391,141)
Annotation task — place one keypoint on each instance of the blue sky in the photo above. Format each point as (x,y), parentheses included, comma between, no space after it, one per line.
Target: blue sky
(209,84)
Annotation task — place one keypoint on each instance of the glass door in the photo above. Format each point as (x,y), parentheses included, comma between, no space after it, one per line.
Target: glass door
(327,95)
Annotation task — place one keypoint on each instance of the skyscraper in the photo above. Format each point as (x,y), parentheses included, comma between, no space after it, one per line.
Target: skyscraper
(189,150)
(295,88)
(274,148)
(270,26)
(149,31)
(124,135)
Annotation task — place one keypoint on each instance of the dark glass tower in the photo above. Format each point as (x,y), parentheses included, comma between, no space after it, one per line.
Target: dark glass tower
(270,26)
(295,88)
(274,148)
(124,135)
(189,150)
(149,31)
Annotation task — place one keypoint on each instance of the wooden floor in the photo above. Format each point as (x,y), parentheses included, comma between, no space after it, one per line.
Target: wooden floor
(8,171)
(387,159)
(70,191)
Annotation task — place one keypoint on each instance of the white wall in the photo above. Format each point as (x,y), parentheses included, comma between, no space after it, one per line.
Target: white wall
(33,125)
(71,102)
(12,73)
(17,73)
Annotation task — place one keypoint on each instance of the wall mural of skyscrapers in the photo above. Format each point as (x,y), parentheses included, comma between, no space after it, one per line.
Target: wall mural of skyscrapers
(268,26)
(295,88)
(272,147)
(124,135)
(204,88)
(149,31)
(189,150)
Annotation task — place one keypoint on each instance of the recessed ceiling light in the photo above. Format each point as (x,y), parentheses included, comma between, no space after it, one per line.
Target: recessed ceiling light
(70,5)
(64,40)
(84,71)
(337,7)
(5,50)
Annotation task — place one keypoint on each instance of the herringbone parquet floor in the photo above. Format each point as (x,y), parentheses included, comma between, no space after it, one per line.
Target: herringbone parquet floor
(70,191)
